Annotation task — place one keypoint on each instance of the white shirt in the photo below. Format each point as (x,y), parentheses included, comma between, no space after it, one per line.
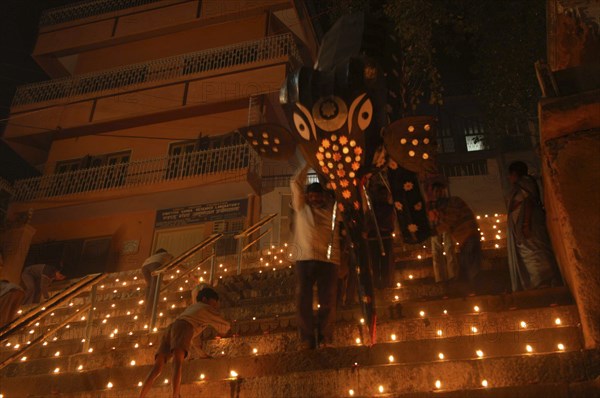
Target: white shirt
(201,315)
(312,226)
(162,258)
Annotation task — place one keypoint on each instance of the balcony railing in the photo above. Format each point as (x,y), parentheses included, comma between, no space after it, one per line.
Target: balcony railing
(179,66)
(6,186)
(283,180)
(239,158)
(88,8)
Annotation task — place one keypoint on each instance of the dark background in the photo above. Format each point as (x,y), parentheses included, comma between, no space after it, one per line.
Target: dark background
(18,32)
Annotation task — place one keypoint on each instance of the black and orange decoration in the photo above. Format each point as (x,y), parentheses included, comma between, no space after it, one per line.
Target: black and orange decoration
(339,113)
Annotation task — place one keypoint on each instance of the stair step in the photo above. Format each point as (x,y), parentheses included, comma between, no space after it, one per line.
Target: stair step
(481,337)
(277,352)
(396,379)
(280,315)
(489,327)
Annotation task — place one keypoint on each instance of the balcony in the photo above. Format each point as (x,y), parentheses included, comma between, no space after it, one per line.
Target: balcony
(86,9)
(228,164)
(188,85)
(75,32)
(181,67)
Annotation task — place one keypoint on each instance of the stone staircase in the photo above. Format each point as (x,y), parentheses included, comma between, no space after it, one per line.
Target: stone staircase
(432,341)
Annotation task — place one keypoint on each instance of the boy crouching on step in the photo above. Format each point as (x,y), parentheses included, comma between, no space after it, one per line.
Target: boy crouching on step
(178,336)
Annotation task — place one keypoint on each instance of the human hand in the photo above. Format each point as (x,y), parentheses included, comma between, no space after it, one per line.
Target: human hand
(433,216)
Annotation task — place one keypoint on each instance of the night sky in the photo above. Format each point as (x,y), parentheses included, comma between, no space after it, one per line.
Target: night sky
(18,32)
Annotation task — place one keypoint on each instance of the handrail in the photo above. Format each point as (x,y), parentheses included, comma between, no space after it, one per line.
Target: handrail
(249,231)
(93,279)
(187,272)
(158,273)
(43,309)
(43,336)
(259,237)
(183,256)
(75,289)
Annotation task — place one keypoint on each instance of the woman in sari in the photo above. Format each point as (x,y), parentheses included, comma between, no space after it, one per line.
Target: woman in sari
(530,257)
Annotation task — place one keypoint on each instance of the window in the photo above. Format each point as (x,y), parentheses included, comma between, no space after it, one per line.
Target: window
(474,168)
(180,163)
(117,173)
(474,134)
(178,240)
(188,158)
(67,166)
(93,172)
(79,256)
(445,139)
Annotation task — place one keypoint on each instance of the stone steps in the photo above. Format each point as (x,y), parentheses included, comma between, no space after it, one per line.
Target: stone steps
(577,389)
(335,381)
(279,314)
(249,282)
(129,285)
(275,353)
(416,322)
(284,339)
(264,287)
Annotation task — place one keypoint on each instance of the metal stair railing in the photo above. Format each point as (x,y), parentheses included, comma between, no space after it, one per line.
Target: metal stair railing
(88,282)
(38,312)
(158,273)
(241,248)
(43,309)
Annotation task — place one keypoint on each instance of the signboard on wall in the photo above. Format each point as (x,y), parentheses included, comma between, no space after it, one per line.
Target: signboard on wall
(189,215)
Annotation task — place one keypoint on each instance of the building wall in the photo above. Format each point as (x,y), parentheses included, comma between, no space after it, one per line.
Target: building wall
(135,235)
(186,41)
(483,193)
(147,141)
(123,227)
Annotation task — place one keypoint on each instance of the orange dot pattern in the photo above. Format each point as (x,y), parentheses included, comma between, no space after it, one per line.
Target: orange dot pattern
(264,142)
(339,158)
(415,148)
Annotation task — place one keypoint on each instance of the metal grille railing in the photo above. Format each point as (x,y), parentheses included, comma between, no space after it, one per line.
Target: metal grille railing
(84,9)
(283,180)
(158,70)
(90,8)
(473,168)
(5,186)
(148,171)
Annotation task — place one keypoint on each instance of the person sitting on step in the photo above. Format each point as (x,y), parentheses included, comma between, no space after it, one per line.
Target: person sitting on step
(452,215)
(37,279)
(177,339)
